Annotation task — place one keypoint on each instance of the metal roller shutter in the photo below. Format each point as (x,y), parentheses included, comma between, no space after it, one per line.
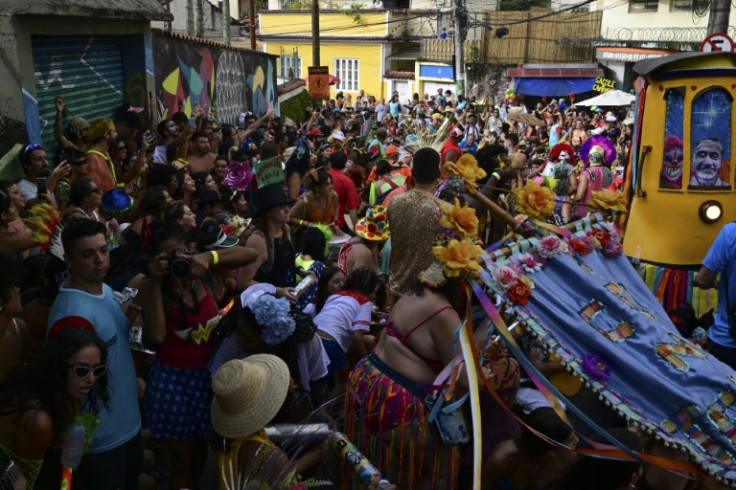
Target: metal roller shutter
(86,70)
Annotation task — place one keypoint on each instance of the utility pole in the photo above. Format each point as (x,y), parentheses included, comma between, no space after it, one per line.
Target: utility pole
(718,19)
(315,33)
(200,19)
(226,21)
(252,21)
(460,14)
(190,17)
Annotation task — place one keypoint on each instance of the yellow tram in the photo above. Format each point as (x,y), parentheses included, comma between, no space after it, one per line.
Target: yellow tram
(680,179)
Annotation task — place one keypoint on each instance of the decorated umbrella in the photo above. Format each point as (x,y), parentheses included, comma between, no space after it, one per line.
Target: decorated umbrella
(526,118)
(333,80)
(612,98)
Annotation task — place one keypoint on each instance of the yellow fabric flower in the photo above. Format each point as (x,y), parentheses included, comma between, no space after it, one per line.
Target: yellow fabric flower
(607,199)
(534,200)
(467,168)
(458,256)
(461,219)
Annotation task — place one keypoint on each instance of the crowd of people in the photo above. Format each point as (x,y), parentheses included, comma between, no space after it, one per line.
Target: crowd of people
(199,281)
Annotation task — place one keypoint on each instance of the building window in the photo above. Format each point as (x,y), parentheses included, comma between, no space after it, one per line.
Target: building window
(643,5)
(291,67)
(688,5)
(346,69)
(286,4)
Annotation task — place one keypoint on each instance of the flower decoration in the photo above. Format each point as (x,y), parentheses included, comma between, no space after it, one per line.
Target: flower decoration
(582,245)
(529,263)
(272,314)
(505,276)
(596,366)
(462,220)
(534,200)
(235,225)
(612,249)
(600,237)
(608,200)
(519,293)
(457,256)
(238,175)
(550,247)
(467,168)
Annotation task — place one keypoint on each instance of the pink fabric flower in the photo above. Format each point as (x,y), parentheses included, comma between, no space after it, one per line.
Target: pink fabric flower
(549,247)
(529,263)
(505,276)
(238,175)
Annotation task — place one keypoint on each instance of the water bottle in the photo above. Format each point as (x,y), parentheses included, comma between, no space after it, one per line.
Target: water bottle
(74,439)
(356,461)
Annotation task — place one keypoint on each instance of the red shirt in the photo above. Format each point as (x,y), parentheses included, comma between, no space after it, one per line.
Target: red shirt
(347,196)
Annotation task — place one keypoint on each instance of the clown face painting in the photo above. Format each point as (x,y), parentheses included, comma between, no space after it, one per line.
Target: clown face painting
(671,176)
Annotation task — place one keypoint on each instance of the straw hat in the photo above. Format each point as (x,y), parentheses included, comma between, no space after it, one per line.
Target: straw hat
(248,394)
(374,226)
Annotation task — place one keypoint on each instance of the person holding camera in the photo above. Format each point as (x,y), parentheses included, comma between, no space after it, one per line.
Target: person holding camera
(180,314)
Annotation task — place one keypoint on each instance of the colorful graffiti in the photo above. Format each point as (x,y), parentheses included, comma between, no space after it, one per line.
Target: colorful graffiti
(223,82)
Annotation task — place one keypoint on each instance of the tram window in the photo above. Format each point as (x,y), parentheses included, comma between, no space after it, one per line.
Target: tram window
(710,140)
(671,175)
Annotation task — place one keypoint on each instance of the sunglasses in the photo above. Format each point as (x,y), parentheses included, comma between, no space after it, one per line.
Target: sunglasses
(81,371)
(36,146)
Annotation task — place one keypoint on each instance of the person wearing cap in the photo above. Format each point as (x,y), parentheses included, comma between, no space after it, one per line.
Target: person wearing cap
(180,314)
(362,250)
(76,130)
(248,393)
(101,137)
(273,243)
(612,132)
(450,150)
(209,205)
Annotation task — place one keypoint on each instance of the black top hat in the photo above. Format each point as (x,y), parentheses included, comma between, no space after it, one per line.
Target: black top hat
(209,197)
(270,196)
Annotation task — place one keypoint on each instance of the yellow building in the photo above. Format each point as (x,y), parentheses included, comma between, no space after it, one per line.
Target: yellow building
(367,49)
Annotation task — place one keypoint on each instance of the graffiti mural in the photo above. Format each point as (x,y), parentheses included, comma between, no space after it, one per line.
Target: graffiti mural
(225,82)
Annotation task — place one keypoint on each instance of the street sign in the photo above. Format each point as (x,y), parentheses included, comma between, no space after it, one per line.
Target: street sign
(717,42)
(319,82)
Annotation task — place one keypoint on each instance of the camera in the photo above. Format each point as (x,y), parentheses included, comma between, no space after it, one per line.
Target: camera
(148,133)
(179,267)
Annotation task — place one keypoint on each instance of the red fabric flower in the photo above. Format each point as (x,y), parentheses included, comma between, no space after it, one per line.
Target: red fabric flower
(579,246)
(519,293)
(601,235)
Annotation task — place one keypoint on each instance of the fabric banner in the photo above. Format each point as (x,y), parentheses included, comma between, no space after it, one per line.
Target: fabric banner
(585,302)
(553,87)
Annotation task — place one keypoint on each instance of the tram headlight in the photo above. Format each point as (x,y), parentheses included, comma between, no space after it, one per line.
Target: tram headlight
(710,211)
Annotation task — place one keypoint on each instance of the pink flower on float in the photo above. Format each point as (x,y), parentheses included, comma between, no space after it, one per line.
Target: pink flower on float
(238,175)
(529,263)
(549,247)
(505,276)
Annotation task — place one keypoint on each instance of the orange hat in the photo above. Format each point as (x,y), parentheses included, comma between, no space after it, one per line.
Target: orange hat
(392,151)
